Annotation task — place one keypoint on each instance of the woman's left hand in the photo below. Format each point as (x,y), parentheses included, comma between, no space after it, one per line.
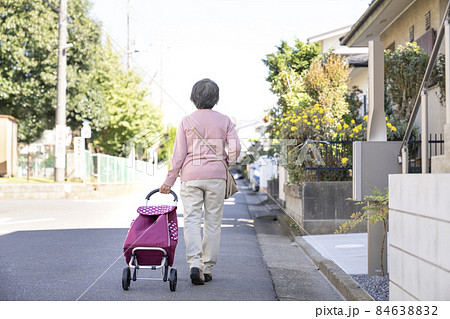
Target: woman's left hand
(164,189)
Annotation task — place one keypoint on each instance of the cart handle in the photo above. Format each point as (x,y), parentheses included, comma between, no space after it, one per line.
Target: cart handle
(157,190)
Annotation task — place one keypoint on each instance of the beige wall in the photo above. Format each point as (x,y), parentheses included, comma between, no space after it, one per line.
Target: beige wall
(283,178)
(8,145)
(436,113)
(414,15)
(419,237)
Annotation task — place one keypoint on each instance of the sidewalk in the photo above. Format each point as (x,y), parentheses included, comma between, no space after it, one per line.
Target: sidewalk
(336,255)
(348,251)
(294,275)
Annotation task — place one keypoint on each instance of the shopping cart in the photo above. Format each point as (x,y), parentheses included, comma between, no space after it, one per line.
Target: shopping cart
(151,242)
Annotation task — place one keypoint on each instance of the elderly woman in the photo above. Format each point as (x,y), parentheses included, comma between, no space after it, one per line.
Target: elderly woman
(203,177)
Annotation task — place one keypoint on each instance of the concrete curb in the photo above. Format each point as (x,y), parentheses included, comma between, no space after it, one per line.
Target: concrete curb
(343,282)
(25,191)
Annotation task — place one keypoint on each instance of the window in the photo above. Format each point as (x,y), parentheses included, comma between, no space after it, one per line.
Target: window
(427,20)
(411,33)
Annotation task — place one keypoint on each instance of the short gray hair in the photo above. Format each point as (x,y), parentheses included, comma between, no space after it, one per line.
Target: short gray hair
(205,94)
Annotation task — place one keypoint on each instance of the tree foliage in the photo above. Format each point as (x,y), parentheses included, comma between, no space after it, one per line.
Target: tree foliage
(28,55)
(131,112)
(312,92)
(326,82)
(316,105)
(404,69)
(286,67)
(439,76)
(166,148)
(84,90)
(98,87)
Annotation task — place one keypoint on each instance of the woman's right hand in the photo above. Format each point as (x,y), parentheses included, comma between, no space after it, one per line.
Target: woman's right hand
(164,189)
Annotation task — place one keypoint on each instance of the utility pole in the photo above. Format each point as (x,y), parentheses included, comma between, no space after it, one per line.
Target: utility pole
(60,143)
(161,67)
(128,34)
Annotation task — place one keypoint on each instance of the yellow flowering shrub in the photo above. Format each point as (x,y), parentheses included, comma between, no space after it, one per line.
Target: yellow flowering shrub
(314,106)
(307,122)
(358,132)
(311,122)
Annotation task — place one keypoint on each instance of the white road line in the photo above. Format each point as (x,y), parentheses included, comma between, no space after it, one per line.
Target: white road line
(26,221)
(95,200)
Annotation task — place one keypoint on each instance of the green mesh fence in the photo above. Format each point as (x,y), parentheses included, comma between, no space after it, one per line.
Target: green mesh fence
(96,168)
(107,169)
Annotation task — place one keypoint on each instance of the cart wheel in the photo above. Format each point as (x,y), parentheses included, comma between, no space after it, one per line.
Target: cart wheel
(173,279)
(166,272)
(126,278)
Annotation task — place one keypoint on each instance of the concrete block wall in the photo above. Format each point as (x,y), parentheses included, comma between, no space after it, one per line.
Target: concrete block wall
(293,195)
(321,207)
(419,237)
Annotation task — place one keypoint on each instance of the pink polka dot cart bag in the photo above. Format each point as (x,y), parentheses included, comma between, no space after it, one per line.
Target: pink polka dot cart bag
(151,242)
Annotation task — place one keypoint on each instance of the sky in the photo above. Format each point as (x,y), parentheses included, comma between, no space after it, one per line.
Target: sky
(182,41)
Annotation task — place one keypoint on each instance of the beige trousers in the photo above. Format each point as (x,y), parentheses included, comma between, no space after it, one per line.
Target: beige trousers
(196,195)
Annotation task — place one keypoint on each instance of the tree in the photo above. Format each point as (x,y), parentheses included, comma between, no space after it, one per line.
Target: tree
(28,54)
(439,76)
(326,82)
(166,147)
(286,68)
(28,63)
(404,70)
(98,88)
(131,112)
(293,60)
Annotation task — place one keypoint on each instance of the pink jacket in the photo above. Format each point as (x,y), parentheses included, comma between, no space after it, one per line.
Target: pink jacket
(193,157)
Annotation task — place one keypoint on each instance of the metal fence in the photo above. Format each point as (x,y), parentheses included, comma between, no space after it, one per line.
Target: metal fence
(39,159)
(337,163)
(107,169)
(92,168)
(435,148)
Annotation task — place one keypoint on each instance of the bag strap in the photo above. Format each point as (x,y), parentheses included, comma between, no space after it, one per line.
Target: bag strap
(204,141)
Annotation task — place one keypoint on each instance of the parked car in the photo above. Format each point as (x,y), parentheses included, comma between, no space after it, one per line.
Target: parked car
(237,173)
(255,176)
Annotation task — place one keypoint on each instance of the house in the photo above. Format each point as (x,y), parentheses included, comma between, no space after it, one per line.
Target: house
(419,213)
(395,23)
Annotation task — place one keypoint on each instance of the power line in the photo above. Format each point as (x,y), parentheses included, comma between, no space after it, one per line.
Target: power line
(131,58)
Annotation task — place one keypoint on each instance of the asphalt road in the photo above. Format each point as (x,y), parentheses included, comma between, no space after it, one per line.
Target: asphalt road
(72,250)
